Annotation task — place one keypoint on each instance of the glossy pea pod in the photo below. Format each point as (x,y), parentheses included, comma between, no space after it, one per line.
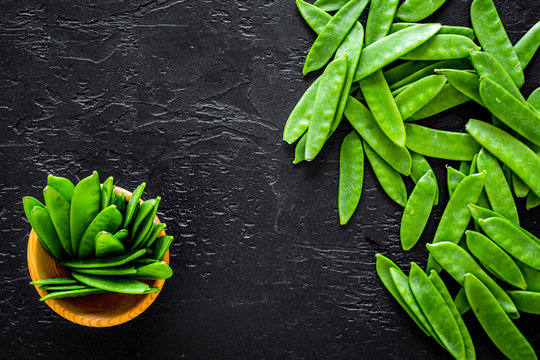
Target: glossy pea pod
(417,210)
(526,301)
(72,293)
(496,323)
(417,10)
(109,219)
(465,82)
(145,208)
(62,185)
(105,262)
(419,167)
(521,189)
(532,277)
(117,284)
(84,208)
(363,122)
(351,176)
(403,70)
(533,200)
(428,69)
(154,271)
(465,167)
(445,29)
(419,94)
(330,5)
(156,230)
(132,205)
(120,202)
(453,178)
(59,209)
(390,180)
(46,233)
(64,287)
(107,245)
(314,16)
(527,46)
(462,304)
(161,246)
(107,193)
(448,98)
(493,38)
(442,47)
(56,281)
(145,229)
(300,150)
(380,17)
(115,270)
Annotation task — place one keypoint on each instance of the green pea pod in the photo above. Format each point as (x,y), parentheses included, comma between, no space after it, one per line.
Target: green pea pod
(497,189)
(152,235)
(437,312)
(64,287)
(315,17)
(298,121)
(330,5)
(453,178)
(462,304)
(300,150)
(121,234)
(442,47)
(392,47)
(144,210)
(105,262)
(109,220)
(465,82)
(146,226)
(478,212)
(518,156)
(496,323)
(72,293)
(532,201)
(117,284)
(448,98)
(417,10)
(106,245)
(520,188)
(419,94)
(493,38)
(116,270)
(107,193)
(132,205)
(84,208)
(44,228)
(458,262)
(390,180)
(527,46)
(55,281)
(120,202)
(445,29)
(351,176)
(332,35)
(419,167)
(440,144)
(59,208)
(62,185)
(465,167)
(532,277)
(403,70)
(162,245)
(429,69)
(363,122)
(155,271)
(494,259)
(526,301)
(380,17)
(417,211)
(144,261)
(29,203)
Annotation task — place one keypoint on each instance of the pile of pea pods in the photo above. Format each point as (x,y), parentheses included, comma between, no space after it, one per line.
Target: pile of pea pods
(108,243)
(394,73)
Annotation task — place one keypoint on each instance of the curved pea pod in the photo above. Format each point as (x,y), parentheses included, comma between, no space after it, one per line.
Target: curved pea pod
(115,270)
(144,210)
(72,293)
(300,150)
(437,312)
(440,144)
(496,323)
(146,227)
(403,70)
(478,212)
(520,188)
(527,46)
(445,29)
(315,17)
(84,208)
(442,47)
(119,284)
(62,185)
(443,290)
(64,287)
(417,10)
(526,301)
(419,167)
(429,69)
(107,193)
(465,167)
(59,208)
(497,189)
(155,271)
(495,259)
(121,234)
(106,245)
(512,152)
(532,201)
(324,109)
(330,5)
(29,203)
(109,220)
(453,178)
(132,205)
(458,262)
(448,98)
(380,18)
(419,94)
(390,180)
(532,277)
(465,82)
(105,262)
(351,176)
(152,235)
(417,211)
(363,122)
(46,233)
(162,245)
(298,121)
(462,304)
(55,281)
(390,48)
(512,240)
(332,35)
(120,202)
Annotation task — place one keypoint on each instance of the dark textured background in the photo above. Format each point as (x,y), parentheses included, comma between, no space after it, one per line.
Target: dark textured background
(191,96)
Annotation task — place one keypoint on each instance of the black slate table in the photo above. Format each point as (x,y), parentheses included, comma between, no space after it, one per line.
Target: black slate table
(191,96)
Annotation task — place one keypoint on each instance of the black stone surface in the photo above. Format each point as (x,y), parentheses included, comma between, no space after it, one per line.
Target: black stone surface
(192,96)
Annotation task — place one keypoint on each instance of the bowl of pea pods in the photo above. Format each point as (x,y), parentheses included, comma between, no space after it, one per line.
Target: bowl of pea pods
(98,255)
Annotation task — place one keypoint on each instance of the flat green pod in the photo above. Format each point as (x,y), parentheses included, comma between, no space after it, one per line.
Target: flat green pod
(132,205)
(107,245)
(527,46)
(125,269)
(453,178)
(55,281)
(442,47)
(300,117)
(84,208)
(72,293)
(526,301)
(417,10)
(465,82)
(314,16)
(445,29)
(105,262)
(59,210)
(419,94)
(107,193)
(448,98)
(161,246)
(419,167)
(62,185)
(351,176)
(119,284)
(46,233)
(109,220)
(154,271)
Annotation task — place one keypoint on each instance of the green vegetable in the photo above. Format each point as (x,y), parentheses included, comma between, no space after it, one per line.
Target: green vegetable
(417,10)
(112,283)
(62,185)
(84,208)
(132,205)
(45,231)
(109,220)
(59,208)
(419,94)
(351,176)
(442,47)
(527,46)
(162,245)
(72,293)
(106,245)
(298,121)
(448,98)
(380,17)
(153,271)
(419,167)
(105,262)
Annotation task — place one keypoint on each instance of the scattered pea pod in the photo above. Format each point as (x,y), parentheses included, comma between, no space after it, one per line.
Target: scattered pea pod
(445,29)
(314,16)
(351,176)
(527,46)
(427,70)
(419,94)
(419,167)
(442,47)
(403,70)
(330,5)
(465,82)
(448,98)
(453,178)
(380,17)
(526,301)
(417,10)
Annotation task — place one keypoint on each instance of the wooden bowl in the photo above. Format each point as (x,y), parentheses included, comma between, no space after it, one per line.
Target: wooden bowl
(102,310)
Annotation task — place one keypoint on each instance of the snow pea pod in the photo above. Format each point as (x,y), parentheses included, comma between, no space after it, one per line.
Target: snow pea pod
(132,205)
(64,287)
(458,64)
(419,94)
(62,185)
(104,262)
(532,277)
(56,281)
(465,82)
(392,47)
(300,150)
(117,284)
(351,176)
(388,177)
(29,203)
(330,5)
(363,122)
(516,155)
(144,210)
(152,235)
(496,323)
(298,121)
(44,228)
(494,259)
(419,167)
(436,311)
(442,47)
(107,193)
(497,189)
(462,304)
(59,207)
(72,293)
(527,46)
(449,97)
(401,71)
(116,270)
(325,106)
(532,201)
(458,262)
(440,144)
(332,35)
(106,245)
(383,107)
(520,188)
(417,10)
(453,178)
(465,167)
(493,38)
(526,301)
(162,245)
(109,219)
(154,271)
(445,29)
(417,211)
(84,208)
(315,17)
(146,227)
(120,202)
(121,234)
(380,17)
(512,240)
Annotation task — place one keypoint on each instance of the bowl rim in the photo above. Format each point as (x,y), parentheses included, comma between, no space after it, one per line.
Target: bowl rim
(76,318)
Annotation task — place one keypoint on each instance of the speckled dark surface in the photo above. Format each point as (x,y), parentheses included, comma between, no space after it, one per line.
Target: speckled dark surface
(191,96)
